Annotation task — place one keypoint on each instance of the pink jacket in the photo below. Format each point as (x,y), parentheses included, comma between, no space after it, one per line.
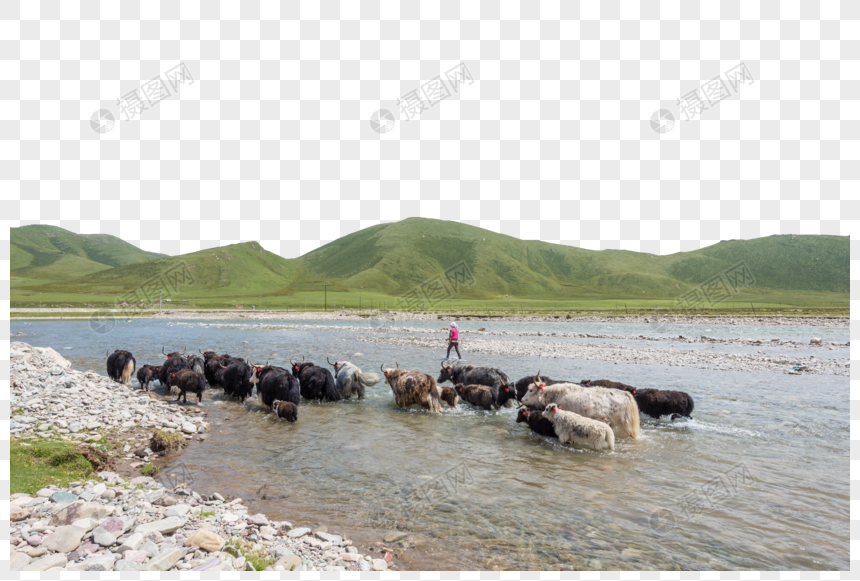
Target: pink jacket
(454,334)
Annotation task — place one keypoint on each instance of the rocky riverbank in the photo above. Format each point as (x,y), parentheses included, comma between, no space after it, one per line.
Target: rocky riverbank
(701,359)
(119,521)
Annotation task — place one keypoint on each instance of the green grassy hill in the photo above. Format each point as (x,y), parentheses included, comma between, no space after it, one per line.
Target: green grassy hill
(392,258)
(387,260)
(42,253)
(234,270)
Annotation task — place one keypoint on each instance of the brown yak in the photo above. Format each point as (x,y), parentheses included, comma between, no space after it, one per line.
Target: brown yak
(413,387)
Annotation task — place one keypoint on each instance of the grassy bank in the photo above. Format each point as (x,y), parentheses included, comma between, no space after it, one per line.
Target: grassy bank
(39,462)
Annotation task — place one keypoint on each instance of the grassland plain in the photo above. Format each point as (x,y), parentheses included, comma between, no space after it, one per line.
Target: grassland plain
(370,268)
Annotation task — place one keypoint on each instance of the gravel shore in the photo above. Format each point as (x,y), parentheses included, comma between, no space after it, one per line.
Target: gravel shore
(134,523)
(406,316)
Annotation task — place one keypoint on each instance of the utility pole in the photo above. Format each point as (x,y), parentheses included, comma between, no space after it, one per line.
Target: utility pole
(325,299)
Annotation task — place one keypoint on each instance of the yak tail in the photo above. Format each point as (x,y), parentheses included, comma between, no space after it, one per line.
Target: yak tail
(368,378)
(127,371)
(631,417)
(434,400)
(610,436)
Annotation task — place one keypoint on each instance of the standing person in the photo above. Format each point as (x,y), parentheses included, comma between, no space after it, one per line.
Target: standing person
(454,341)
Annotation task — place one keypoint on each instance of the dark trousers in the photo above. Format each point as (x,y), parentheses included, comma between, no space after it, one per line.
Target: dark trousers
(455,345)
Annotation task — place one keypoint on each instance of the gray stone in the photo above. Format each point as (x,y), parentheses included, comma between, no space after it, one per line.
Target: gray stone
(49,562)
(288,562)
(163,560)
(379,565)
(299,532)
(155,495)
(210,564)
(394,536)
(94,563)
(64,539)
(103,537)
(77,511)
(132,543)
(88,496)
(62,497)
(150,548)
(19,561)
(334,539)
(164,526)
(178,510)
(87,524)
(123,565)
(363,565)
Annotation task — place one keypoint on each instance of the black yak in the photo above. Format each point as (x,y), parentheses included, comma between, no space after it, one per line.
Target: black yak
(286,409)
(479,395)
(196,364)
(413,387)
(120,365)
(277,384)
(652,402)
(469,374)
(538,424)
(350,379)
(175,362)
(186,380)
(239,379)
(146,375)
(315,382)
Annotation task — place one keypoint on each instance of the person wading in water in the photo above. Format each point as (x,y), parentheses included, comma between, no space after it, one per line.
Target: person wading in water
(454,341)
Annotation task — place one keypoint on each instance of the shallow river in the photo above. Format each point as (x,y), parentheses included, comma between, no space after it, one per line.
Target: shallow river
(758,480)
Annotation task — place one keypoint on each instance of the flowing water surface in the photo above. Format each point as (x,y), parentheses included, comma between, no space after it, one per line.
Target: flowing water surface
(758,480)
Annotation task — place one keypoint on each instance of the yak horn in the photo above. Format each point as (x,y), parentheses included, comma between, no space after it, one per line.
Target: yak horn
(201,352)
(184,349)
(397,365)
(303,358)
(107,353)
(380,367)
(222,365)
(537,377)
(329,362)
(291,361)
(267,362)
(162,349)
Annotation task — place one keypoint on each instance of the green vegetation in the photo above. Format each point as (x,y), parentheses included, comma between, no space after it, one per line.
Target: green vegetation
(206,514)
(260,559)
(148,470)
(162,440)
(370,268)
(42,254)
(40,462)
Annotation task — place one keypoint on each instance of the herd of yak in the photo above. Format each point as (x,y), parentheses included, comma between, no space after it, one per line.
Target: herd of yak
(587,413)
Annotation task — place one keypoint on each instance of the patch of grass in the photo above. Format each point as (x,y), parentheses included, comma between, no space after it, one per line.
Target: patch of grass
(170,441)
(207,514)
(44,462)
(149,470)
(260,559)
(17,412)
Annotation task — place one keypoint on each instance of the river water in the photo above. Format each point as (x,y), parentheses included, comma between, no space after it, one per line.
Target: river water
(758,480)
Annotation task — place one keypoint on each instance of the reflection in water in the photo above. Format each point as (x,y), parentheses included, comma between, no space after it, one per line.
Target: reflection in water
(365,468)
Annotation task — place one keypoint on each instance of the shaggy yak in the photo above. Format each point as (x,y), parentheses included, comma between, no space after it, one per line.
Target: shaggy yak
(187,380)
(120,365)
(449,396)
(538,424)
(196,364)
(413,387)
(175,362)
(211,364)
(350,379)
(468,374)
(576,429)
(482,396)
(286,409)
(223,363)
(276,384)
(239,379)
(315,382)
(146,375)
(653,402)
(615,407)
